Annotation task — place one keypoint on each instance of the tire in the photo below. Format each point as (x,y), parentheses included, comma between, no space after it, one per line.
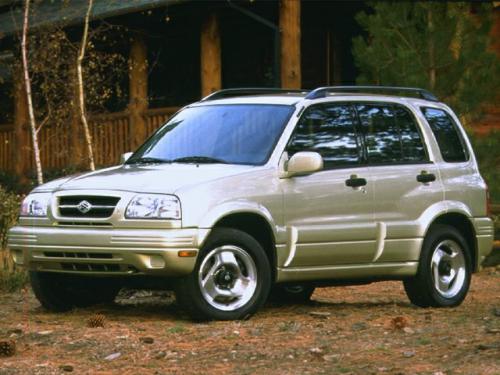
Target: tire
(231,278)
(291,294)
(59,292)
(444,270)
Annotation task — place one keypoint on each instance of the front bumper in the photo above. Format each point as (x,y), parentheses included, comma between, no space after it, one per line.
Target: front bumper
(106,251)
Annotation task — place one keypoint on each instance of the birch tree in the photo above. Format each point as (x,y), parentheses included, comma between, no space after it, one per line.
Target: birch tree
(27,84)
(81,93)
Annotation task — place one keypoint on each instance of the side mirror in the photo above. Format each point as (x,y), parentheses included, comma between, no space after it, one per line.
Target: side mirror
(125,157)
(304,162)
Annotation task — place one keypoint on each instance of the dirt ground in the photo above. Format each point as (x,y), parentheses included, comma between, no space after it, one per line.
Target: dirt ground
(370,329)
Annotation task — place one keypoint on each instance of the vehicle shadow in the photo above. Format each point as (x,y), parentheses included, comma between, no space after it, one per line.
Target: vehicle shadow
(163,307)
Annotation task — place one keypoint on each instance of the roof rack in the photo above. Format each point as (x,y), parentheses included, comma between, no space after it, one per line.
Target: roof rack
(228,93)
(322,92)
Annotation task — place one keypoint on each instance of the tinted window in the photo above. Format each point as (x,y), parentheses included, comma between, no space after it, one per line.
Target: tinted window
(391,134)
(413,149)
(235,134)
(328,130)
(445,130)
(382,139)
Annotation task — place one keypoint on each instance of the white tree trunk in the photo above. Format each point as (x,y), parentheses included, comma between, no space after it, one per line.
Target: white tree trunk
(81,96)
(27,83)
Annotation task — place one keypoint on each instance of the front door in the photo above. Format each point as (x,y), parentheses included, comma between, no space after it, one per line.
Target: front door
(330,212)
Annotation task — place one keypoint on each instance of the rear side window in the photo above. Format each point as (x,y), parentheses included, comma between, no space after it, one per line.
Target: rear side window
(412,145)
(329,130)
(391,134)
(449,139)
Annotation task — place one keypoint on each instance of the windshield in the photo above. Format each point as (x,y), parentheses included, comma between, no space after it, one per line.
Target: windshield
(234,134)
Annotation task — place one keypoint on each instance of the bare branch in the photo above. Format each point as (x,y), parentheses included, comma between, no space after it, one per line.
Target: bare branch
(45,120)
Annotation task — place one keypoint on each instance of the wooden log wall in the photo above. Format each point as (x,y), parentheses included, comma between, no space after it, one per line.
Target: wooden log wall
(211,68)
(7,148)
(291,77)
(138,89)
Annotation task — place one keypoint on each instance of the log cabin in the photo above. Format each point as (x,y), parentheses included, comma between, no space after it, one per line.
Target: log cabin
(177,51)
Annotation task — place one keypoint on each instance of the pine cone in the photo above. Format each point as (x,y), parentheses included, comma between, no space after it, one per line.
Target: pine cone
(96,320)
(399,322)
(7,348)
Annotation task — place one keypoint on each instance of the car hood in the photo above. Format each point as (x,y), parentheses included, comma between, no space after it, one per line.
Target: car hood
(162,178)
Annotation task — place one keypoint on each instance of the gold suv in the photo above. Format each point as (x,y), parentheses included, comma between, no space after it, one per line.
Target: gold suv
(256,193)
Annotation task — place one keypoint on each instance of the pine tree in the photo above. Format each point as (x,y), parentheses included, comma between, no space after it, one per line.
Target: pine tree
(443,47)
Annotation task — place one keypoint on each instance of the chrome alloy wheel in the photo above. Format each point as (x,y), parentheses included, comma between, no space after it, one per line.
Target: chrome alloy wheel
(227,278)
(448,268)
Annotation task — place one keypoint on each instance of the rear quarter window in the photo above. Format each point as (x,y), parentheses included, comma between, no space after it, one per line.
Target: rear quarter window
(448,137)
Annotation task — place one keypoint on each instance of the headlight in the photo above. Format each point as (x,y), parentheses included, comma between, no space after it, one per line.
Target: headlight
(35,204)
(153,206)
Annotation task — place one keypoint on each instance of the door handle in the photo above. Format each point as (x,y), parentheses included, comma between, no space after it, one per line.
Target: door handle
(426,177)
(355,181)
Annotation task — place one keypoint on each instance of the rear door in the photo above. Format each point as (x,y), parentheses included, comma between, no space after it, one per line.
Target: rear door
(333,222)
(406,183)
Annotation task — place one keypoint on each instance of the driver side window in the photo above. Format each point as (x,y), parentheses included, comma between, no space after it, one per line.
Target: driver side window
(329,130)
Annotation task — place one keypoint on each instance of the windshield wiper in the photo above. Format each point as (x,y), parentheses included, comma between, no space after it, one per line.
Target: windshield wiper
(199,160)
(148,160)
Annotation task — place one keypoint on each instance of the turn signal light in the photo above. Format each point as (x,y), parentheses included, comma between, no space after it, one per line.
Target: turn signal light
(187,253)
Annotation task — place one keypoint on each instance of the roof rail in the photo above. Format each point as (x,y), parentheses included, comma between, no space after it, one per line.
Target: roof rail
(322,92)
(228,93)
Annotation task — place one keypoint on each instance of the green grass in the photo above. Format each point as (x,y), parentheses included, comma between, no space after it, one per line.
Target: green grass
(176,329)
(423,341)
(343,370)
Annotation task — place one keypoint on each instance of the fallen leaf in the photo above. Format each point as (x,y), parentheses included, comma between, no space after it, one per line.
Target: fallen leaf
(408,330)
(44,333)
(409,354)
(113,356)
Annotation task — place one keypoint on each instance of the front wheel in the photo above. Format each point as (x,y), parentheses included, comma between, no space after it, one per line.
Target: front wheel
(231,279)
(444,270)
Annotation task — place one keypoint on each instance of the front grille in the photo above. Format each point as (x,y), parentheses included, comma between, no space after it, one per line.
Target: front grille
(90,267)
(82,206)
(67,254)
(83,224)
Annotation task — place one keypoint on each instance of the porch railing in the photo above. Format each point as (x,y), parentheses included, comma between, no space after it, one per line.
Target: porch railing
(110,133)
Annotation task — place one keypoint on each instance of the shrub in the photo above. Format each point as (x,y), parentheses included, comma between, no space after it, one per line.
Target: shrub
(12,281)
(9,210)
(486,151)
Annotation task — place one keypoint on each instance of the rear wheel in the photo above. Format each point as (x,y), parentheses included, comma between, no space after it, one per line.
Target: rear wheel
(444,271)
(231,279)
(59,292)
